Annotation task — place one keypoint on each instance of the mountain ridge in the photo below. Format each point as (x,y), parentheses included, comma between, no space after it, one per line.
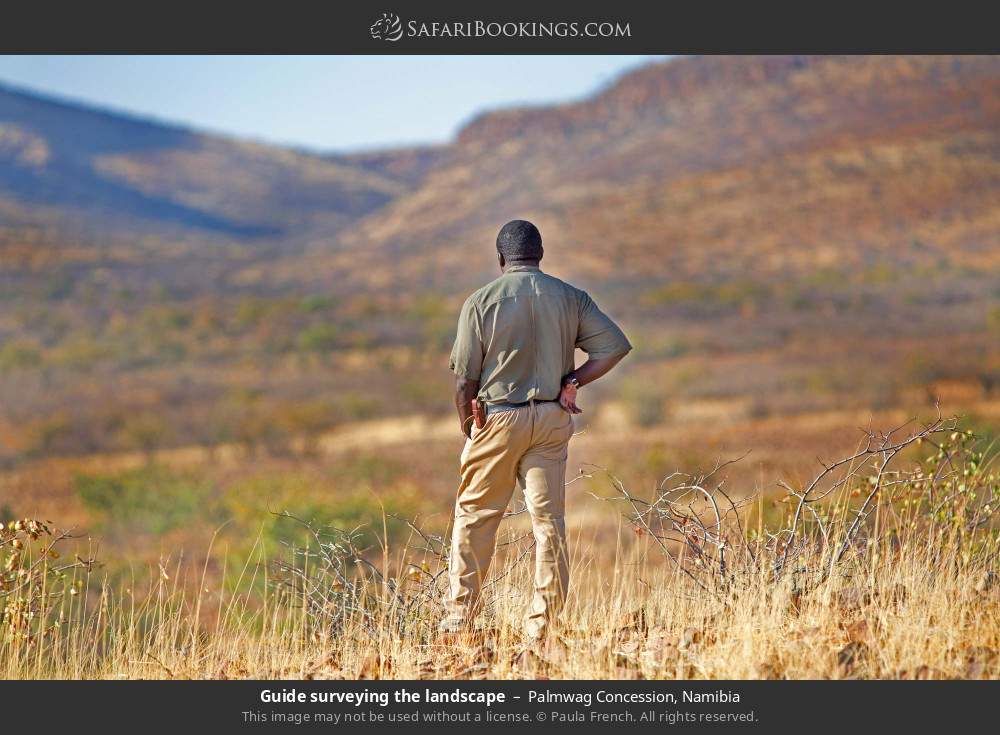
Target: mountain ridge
(631,174)
(147,175)
(641,163)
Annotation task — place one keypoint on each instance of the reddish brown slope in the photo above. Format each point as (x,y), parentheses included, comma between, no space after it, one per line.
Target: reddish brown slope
(702,166)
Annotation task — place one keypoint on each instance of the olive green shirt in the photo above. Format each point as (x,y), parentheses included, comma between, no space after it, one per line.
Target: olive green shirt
(516,335)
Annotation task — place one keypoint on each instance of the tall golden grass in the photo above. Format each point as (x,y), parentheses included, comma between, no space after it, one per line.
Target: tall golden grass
(912,594)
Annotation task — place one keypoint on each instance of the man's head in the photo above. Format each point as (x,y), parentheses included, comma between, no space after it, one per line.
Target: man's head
(519,242)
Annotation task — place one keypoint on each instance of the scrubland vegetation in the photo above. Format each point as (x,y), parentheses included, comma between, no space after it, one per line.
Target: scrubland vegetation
(884,564)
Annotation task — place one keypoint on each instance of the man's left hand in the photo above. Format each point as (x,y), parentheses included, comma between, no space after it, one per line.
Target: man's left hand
(567,398)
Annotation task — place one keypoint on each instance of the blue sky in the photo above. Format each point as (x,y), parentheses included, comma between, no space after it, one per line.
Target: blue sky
(320,102)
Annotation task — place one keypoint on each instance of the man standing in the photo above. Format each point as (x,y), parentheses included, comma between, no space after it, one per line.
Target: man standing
(514,354)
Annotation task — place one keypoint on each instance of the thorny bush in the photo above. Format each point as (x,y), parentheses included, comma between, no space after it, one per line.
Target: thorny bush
(33,580)
(930,484)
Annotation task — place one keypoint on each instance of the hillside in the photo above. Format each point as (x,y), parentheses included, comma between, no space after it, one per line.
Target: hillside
(779,235)
(708,167)
(108,175)
(701,166)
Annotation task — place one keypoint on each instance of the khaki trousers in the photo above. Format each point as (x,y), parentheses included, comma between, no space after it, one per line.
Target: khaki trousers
(529,445)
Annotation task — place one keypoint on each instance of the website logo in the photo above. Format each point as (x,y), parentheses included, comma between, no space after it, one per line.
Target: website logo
(387,28)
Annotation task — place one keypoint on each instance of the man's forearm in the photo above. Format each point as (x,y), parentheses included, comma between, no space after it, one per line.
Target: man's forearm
(465,392)
(594,368)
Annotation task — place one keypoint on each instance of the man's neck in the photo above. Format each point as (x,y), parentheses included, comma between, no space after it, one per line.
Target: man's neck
(519,264)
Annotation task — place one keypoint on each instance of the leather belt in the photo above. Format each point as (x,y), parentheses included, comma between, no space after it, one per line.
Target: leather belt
(498,407)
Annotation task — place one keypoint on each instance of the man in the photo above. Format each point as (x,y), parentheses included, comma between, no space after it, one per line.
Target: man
(514,354)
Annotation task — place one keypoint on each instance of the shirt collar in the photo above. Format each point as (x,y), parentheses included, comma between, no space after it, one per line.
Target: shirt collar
(522,269)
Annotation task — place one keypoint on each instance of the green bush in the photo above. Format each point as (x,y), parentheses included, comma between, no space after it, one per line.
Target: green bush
(18,355)
(50,434)
(993,320)
(82,352)
(6,512)
(318,338)
(145,432)
(724,297)
(308,420)
(436,320)
(646,403)
(316,302)
(370,469)
(354,407)
(257,505)
(150,500)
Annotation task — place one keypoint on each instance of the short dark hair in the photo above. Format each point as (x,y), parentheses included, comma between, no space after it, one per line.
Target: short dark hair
(519,240)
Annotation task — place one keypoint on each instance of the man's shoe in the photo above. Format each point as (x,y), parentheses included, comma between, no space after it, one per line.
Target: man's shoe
(528,664)
(452,638)
(454,632)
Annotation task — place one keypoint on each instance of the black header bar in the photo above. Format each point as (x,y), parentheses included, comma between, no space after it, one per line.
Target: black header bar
(449,27)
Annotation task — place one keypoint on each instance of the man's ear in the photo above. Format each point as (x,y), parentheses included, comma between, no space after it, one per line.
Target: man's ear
(501,259)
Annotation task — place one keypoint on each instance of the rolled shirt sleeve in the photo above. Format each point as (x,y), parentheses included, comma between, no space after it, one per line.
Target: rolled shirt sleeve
(467,353)
(597,335)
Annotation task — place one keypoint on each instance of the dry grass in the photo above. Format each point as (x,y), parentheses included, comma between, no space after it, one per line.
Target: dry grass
(915,595)
(898,622)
